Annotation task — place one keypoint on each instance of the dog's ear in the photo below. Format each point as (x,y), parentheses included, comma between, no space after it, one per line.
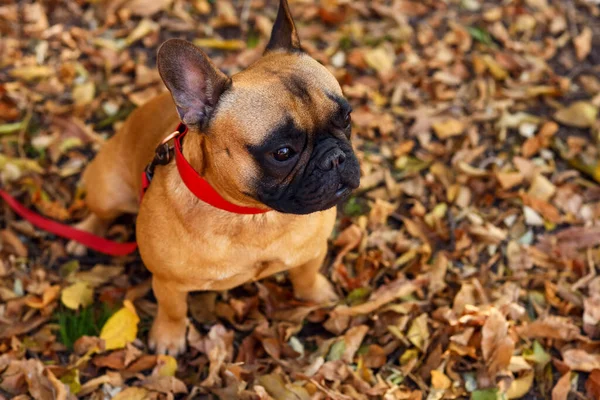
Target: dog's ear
(284,35)
(193,80)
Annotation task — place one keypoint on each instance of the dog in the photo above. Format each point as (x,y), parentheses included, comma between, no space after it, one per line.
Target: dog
(271,144)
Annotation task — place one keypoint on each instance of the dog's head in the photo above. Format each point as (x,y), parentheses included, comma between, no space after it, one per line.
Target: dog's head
(277,133)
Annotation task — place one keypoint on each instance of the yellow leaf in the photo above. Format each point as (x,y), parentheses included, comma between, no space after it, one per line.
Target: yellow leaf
(84,94)
(380,59)
(418,333)
(32,72)
(439,380)
(520,387)
(495,68)
(144,28)
(76,295)
(448,128)
(166,365)
(220,44)
(132,393)
(121,328)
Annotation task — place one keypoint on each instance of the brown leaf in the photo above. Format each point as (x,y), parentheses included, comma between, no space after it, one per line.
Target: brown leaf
(7,331)
(551,327)
(147,8)
(383,295)
(353,338)
(164,384)
(509,180)
(583,43)
(497,347)
(591,315)
(562,388)
(87,343)
(592,385)
(12,243)
(114,360)
(581,360)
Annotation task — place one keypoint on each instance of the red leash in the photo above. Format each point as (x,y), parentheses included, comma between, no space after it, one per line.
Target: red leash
(193,181)
(87,239)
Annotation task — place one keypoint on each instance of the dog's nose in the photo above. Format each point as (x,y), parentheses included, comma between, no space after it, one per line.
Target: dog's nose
(334,159)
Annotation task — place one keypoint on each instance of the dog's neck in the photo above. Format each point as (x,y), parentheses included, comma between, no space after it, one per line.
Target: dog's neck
(196,151)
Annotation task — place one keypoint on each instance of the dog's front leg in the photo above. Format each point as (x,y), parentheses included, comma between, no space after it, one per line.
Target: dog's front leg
(310,284)
(167,335)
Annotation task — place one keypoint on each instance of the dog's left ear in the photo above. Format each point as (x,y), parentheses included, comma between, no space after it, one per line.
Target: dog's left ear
(284,35)
(195,83)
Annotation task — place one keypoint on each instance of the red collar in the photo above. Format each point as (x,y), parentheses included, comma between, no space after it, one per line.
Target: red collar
(196,184)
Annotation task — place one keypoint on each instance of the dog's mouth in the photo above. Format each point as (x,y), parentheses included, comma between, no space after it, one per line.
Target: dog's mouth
(341,190)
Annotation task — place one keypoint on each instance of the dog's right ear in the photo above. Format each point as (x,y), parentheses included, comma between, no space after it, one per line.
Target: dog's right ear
(193,80)
(284,35)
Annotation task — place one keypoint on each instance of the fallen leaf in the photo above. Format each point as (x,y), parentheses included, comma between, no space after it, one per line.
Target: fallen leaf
(84,94)
(439,380)
(583,43)
(562,388)
(79,294)
(580,114)
(497,347)
(592,385)
(551,327)
(380,59)
(147,8)
(508,180)
(541,188)
(418,333)
(97,276)
(29,73)
(121,327)
(448,128)
(581,360)
(164,384)
(520,386)
(380,297)
(353,339)
(165,365)
(212,43)
(132,393)
(50,294)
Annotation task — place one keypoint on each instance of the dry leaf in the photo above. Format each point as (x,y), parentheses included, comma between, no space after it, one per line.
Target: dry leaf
(583,43)
(352,339)
(50,294)
(121,327)
(520,386)
(562,388)
(581,360)
(165,365)
(79,294)
(580,114)
(448,128)
(497,347)
(132,393)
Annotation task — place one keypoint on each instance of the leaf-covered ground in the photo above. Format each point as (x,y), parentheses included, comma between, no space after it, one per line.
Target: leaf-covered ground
(467,261)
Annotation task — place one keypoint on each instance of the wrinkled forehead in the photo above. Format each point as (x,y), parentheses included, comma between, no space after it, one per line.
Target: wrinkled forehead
(277,88)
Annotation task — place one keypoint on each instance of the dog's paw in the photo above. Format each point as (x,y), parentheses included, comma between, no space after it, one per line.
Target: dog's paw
(168,337)
(321,292)
(76,249)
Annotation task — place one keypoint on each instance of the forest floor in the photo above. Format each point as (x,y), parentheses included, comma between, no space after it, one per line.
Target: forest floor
(466,263)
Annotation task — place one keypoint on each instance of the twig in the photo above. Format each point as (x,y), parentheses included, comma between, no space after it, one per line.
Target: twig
(23,131)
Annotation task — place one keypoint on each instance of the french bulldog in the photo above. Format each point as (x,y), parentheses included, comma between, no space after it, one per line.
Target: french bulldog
(272,145)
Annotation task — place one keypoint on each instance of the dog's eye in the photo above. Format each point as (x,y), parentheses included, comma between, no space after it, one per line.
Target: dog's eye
(347,120)
(283,154)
